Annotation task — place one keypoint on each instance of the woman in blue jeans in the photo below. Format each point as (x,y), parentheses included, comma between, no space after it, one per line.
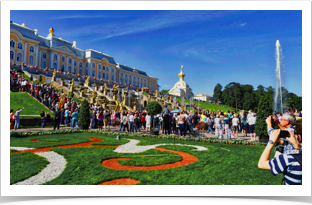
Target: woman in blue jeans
(74,116)
(17,119)
(181,121)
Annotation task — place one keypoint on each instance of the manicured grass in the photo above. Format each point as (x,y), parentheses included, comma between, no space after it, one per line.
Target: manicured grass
(208,106)
(215,166)
(32,107)
(25,165)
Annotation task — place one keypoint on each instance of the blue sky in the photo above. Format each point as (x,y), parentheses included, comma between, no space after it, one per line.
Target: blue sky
(213,46)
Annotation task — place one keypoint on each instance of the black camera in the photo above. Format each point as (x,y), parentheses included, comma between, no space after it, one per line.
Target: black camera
(284,134)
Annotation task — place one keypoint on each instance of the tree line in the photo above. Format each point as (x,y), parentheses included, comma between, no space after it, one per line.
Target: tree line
(245,97)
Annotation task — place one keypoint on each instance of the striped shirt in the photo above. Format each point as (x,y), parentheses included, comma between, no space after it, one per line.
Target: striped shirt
(288,147)
(288,165)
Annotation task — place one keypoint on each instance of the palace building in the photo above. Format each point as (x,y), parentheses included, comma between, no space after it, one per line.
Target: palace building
(28,47)
(181,88)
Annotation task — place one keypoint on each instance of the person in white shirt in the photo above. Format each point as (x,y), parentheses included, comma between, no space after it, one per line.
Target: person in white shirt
(131,118)
(148,122)
(235,121)
(252,121)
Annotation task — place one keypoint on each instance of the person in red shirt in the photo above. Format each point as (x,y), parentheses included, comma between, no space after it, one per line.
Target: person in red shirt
(143,121)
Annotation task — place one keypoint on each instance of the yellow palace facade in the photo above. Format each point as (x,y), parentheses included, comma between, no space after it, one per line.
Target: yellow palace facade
(28,47)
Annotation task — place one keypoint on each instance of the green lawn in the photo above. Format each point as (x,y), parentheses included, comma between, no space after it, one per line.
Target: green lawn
(208,106)
(32,107)
(215,166)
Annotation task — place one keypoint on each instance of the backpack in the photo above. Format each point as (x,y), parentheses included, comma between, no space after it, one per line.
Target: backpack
(156,120)
(136,120)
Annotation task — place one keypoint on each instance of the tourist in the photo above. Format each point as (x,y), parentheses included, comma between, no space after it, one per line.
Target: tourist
(209,123)
(244,124)
(130,119)
(251,122)
(11,119)
(48,119)
(186,124)
(106,120)
(235,122)
(42,116)
(218,127)
(227,130)
(284,163)
(137,123)
(191,121)
(288,121)
(165,115)
(148,120)
(125,122)
(181,122)
(66,116)
(100,118)
(143,121)
(17,118)
(57,116)
(62,117)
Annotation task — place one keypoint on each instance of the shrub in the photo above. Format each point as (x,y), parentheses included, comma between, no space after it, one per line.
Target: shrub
(31,78)
(84,115)
(115,122)
(153,108)
(265,110)
(202,126)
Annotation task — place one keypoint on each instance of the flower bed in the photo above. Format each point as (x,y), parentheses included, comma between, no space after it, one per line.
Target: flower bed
(143,135)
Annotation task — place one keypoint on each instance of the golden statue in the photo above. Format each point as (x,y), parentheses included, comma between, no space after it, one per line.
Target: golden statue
(142,89)
(105,88)
(61,100)
(156,94)
(51,30)
(116,87)
(126,89)
(54,73)
(170,97)
(73,81)
(87,81)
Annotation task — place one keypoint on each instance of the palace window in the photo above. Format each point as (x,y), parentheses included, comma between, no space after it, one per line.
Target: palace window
(62,68)
(54,66)
(75,70)
(103,75)
(80,72)
(70,61)
(69,69)
(80,65)
(31,49)
(11,55)
(19,57)
(75,63)
(93,73)
(99,67)
(31,60)
(86,72)
(87,65)
(44,55)
(12,43)
(93,65)
(63,59)
(99,75)
(20,46)
(107,77)
(112,77)
(44,64)
(112,70)
(55,57)
(103,67)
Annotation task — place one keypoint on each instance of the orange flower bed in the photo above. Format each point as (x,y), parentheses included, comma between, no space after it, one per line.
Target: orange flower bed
(122,181)
(86,144)
(186,160)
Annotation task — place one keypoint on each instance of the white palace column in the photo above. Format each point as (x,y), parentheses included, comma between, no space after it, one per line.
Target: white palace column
(25,53)
(37,55)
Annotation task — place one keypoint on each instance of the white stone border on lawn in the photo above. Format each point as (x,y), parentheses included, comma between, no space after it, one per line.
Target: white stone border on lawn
(132,147)
(57,164)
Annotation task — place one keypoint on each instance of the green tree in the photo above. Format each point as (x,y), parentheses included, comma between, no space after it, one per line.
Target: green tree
(84,115)
(264,110)
(249,101)
(232,94)
(164,91)
(217,93)
(153,108)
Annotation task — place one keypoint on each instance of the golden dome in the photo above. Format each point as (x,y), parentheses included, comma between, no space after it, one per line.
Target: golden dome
(181,74)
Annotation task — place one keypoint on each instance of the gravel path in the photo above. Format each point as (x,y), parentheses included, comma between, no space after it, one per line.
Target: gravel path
(54,168)
(132,147)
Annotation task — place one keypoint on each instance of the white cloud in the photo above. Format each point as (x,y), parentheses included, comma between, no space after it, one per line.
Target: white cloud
(243,24)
